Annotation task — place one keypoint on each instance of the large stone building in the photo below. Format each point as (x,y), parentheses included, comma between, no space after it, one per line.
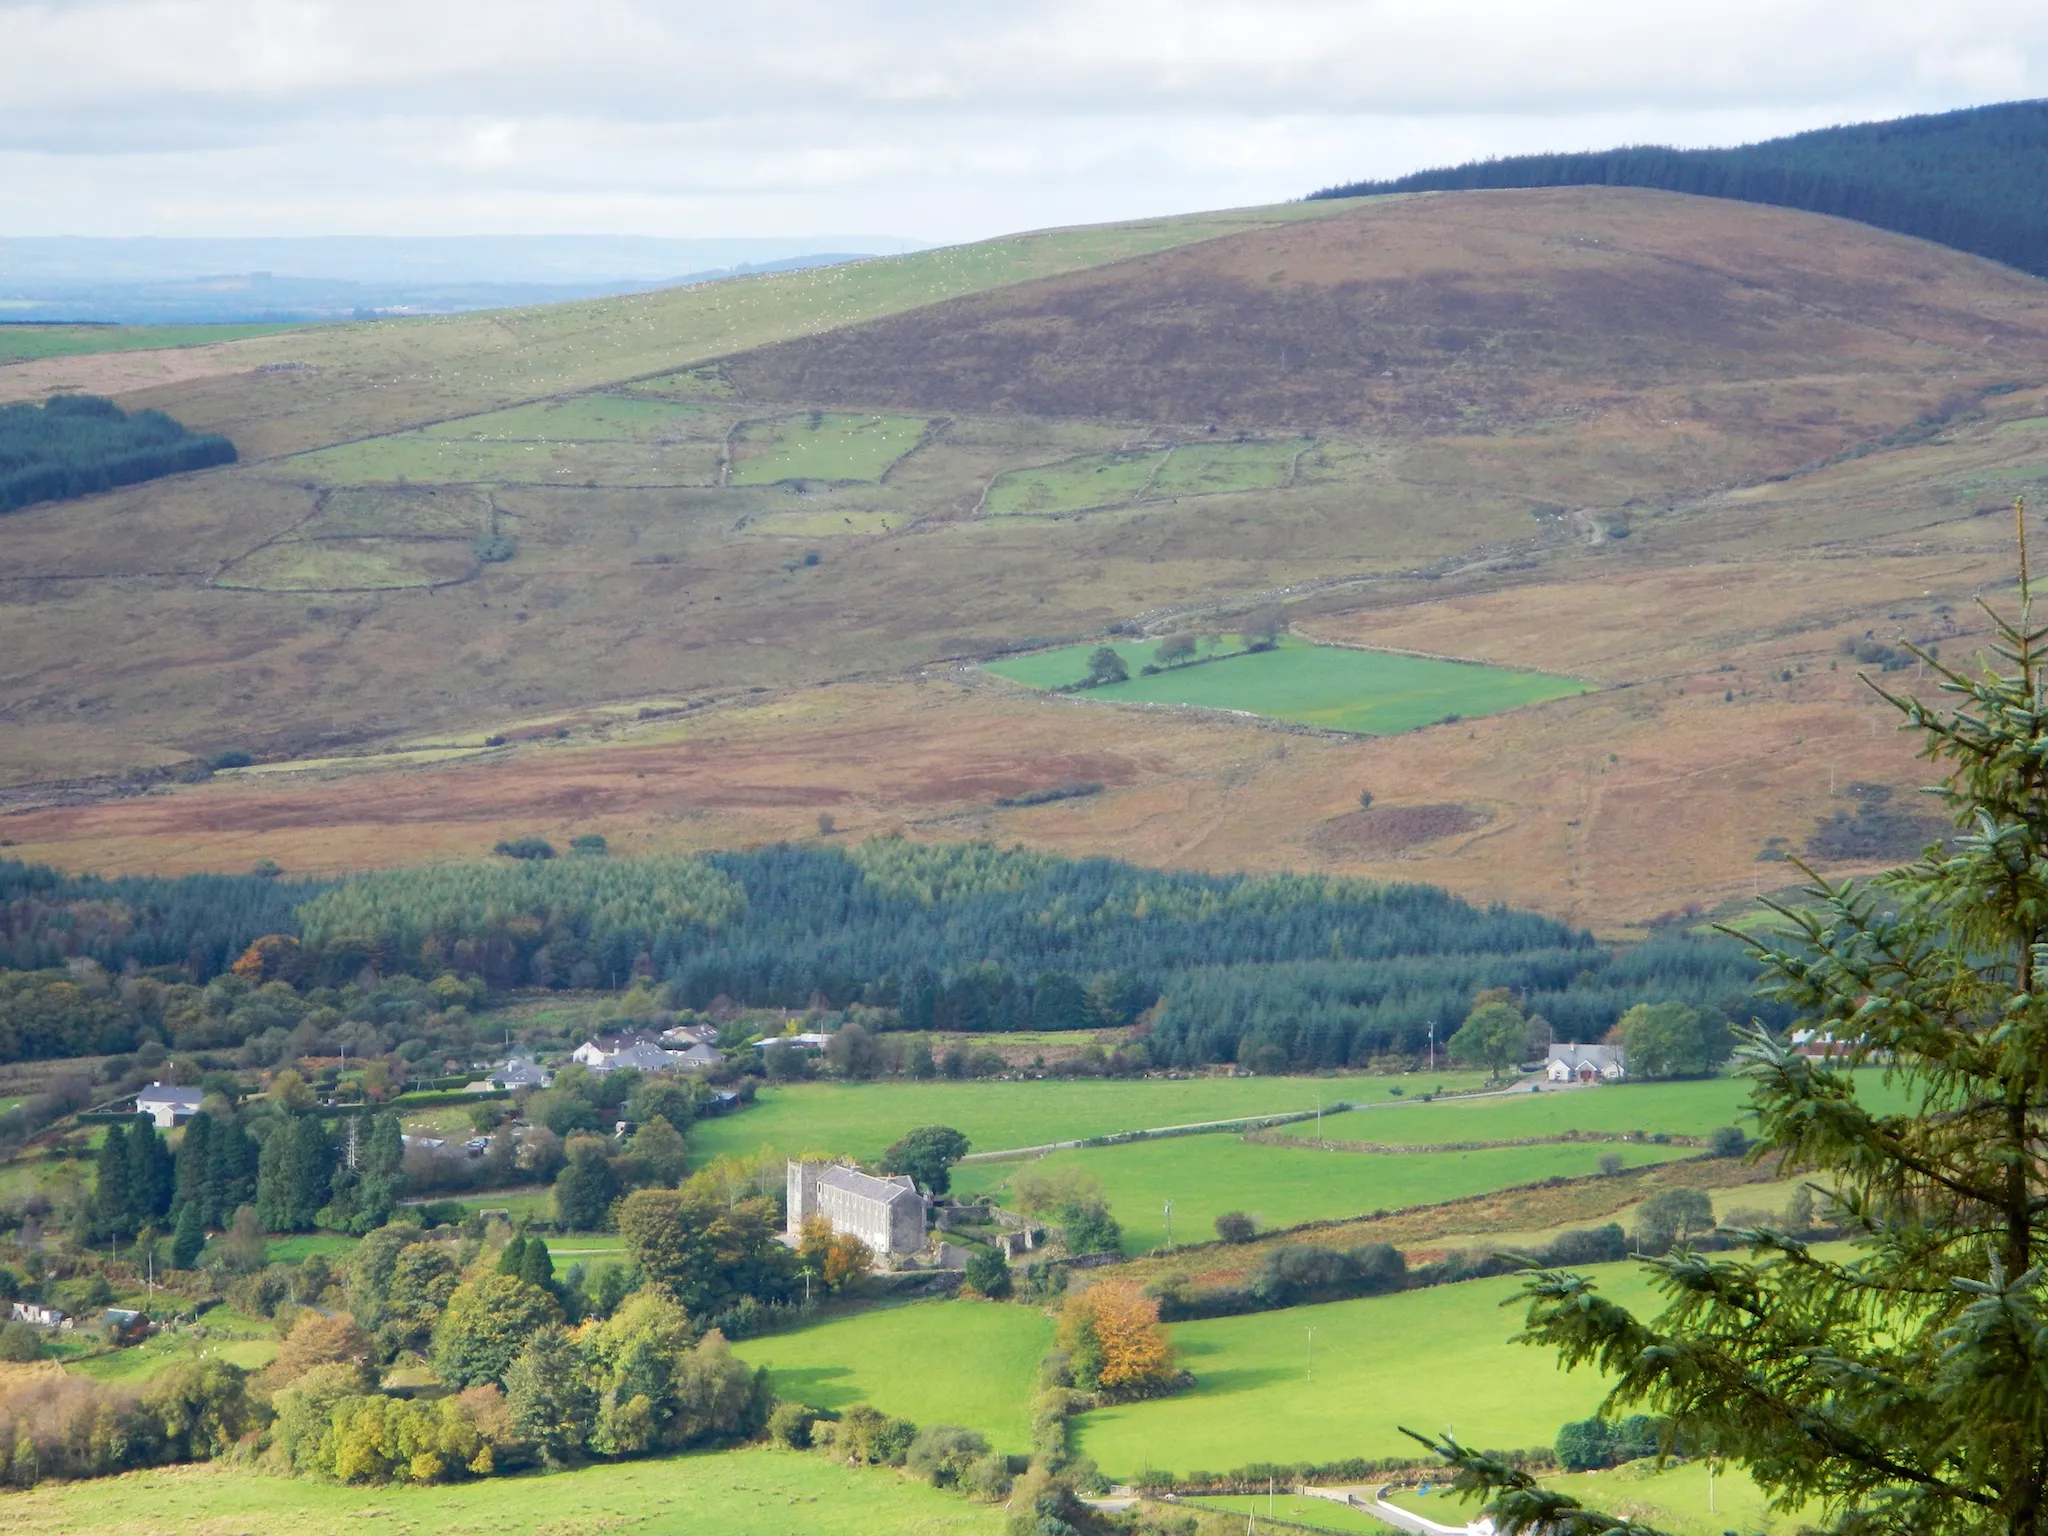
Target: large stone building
(886,1214)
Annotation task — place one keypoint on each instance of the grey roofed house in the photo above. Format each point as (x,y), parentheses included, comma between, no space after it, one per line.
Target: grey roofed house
(519,1072)
(886,1214)
(644,1055)
(168,1105)
(682,1035)
(699,1058)
(810,1040)
(1585,1064)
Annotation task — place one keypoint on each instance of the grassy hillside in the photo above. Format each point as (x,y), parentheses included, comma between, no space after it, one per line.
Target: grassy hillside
(1971,179)
(749,1493)
(1430,1360)
(1681,448)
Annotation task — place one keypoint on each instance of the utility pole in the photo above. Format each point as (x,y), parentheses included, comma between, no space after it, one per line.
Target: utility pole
(1432,1045)
(1169,1226)
(1311,1354)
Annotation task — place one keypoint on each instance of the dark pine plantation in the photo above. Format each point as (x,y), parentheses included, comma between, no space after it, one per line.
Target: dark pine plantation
(74,445)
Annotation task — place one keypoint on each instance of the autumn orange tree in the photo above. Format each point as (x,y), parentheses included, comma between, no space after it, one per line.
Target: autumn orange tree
(1113,1340)
(838,1258)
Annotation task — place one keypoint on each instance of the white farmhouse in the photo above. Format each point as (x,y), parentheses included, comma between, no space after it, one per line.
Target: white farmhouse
(168,1106)
(1585,1064)
(886,1214)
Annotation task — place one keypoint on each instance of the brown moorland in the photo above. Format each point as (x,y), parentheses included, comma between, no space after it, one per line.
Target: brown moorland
(712,689)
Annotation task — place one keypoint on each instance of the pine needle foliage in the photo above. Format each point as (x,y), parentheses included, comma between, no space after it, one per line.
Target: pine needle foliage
(1903,1388)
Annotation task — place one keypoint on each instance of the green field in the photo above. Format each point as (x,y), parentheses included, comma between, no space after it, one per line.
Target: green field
(821,445)
(1675,1109)
(22,343)
(1676,1498)
(742,1493)
(1204,1176)
(1209,469)
(1374,693)
(249,1342)
(1431,1360)
(860,1119)
(1326,1514)
(972,1363)
(1072,485)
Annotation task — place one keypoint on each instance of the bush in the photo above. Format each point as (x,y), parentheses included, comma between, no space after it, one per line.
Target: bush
(525,848)
(943,1453)
(19,1342)
(1728,1141)
(988,1274)
(234,759)
(1610,1165)
(494,550)
(1236,1227)
(591,845)
(790,1425)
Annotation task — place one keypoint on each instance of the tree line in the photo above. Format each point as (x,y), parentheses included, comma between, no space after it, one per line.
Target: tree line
(1300,971)
(1974,180)
(74,445)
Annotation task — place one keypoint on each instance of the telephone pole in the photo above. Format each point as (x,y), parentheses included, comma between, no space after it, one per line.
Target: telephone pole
(1169,1226)
(1432,1045)
(1311,1354)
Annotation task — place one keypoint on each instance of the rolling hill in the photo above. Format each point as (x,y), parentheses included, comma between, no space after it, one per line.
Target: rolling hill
(711,567)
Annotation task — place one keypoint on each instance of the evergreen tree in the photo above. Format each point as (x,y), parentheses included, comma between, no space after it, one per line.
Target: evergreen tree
(232,1157)
(585,1188)
(189,1240)
(512,1255)
(194,1162)
(383,1172)
(537,1266)
(151,1175)
(114,1187)
(1901,1388)
(294,1176)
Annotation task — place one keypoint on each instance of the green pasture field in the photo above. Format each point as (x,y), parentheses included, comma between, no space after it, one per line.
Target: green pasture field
(584,419)
(860,1119)
(350,564)
(235,1337)
(971,1363)
(1072,485)
(416,457)
(1204,1176)
(300,1246)
(1373,693)
(1432,1360)
(1326,1514)
(410,513)
(1211,469)
(735,1493)
(23,343)
(1675,1109)
(1675,1498)
(821,445)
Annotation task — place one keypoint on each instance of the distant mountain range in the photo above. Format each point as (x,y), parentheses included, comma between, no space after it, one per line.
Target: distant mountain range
(1974,180)
(149,280)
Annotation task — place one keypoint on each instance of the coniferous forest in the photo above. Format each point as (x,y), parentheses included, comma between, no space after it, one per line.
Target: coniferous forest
(1975,180)
(951,937)
(74,445)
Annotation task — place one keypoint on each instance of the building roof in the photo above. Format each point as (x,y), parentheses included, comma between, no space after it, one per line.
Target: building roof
(170,1094)
(1590,1055)
(884,1191)
(811,1039)
(642,1054)
(519,1070)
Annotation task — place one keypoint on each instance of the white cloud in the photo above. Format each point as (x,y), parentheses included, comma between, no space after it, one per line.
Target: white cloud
(945,120)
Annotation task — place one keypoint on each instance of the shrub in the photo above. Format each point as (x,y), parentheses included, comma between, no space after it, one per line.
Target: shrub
(233,759)
(1236,1227)
(789,1426)
(494,549)
(591,845)
(1727,1141)
(19,1342)
(943,1453)
(988,1274)
(525,848)
(1610,1164)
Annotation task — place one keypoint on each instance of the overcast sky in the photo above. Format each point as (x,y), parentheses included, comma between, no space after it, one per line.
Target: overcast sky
(939,120)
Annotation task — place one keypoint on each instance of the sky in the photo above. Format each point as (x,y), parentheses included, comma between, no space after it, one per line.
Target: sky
(925,120)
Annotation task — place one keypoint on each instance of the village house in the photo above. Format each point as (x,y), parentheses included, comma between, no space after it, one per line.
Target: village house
(886,1214)
(608,1053)
(36,1315)
(681,1035)
(1585,1064)
(168,1106)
